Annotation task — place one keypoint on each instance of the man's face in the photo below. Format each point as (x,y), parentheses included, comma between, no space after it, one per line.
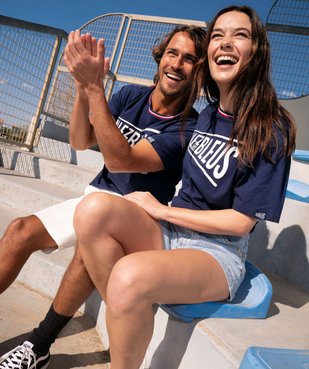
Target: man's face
(176,66)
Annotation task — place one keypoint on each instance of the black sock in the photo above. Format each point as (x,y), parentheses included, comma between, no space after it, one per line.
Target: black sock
(46,333)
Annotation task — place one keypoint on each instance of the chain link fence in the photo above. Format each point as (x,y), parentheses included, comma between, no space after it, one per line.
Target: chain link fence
(128,40)
(28,57)
(288,30)
(35,85)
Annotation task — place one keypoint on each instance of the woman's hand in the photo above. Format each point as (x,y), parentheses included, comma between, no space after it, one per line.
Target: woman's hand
(225,221)
(148,202)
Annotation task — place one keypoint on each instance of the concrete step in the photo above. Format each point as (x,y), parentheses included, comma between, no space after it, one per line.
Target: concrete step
(57,172)
(61,151)
(66,175)
(30,194)
(282,248)
(7,214)
(15,157)
(79,344)
(209,343)
(221,343)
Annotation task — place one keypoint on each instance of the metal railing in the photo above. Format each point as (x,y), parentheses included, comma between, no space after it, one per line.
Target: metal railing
(129,39)
(288,32)
(36,86)
(28,57)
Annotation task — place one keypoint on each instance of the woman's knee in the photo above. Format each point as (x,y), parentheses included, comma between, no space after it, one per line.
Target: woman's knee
(127,289)
(90,214)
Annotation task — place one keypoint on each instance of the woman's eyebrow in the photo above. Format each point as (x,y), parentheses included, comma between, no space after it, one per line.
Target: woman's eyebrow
(235,29)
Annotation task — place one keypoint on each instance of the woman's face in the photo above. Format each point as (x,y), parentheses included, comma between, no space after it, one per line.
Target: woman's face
(230,47)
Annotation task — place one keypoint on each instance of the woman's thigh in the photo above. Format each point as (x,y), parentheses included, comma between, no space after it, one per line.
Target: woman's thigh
(174,276)
(104,217)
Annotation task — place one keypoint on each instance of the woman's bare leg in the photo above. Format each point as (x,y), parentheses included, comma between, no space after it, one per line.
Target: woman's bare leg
(131,281)
(100,223)
(140,280)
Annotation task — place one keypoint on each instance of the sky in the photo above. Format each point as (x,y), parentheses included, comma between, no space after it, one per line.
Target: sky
(69,15)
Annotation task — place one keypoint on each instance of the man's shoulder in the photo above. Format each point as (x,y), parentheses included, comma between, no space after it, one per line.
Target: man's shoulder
(133,91)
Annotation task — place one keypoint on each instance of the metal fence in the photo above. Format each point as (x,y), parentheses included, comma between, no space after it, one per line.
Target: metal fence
(128,40)
(288,32)
(28,56)
(35,85)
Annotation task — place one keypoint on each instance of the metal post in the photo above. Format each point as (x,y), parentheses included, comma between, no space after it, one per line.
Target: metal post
(34,125)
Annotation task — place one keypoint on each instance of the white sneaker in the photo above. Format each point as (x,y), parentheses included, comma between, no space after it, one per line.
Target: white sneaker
(23,357)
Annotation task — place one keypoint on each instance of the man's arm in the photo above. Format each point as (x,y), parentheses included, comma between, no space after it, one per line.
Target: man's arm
(81,132)
(80,129)
(119,156)
(86,58)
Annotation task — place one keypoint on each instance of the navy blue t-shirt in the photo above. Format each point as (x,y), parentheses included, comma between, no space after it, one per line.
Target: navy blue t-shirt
(213,180)
(131,108)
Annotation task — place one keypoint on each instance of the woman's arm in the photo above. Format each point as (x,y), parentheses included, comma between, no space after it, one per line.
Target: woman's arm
(227,221)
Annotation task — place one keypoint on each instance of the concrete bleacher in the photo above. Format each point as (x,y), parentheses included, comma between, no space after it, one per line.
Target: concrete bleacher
(29,182)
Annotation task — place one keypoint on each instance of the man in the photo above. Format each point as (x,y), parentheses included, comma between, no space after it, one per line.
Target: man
(142,137)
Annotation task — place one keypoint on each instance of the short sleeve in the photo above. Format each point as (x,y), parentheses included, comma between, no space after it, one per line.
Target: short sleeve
(115,104)
(260,192)
(171,144)
(123,97)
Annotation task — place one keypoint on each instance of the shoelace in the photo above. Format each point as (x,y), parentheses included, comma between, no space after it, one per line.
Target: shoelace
(23,355)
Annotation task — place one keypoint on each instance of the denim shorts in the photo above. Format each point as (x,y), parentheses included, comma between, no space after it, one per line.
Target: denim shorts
(229,251)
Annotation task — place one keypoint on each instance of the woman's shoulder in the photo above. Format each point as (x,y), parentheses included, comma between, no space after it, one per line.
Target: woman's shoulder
(210,109)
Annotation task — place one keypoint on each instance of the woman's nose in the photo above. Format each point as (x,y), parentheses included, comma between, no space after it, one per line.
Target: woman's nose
(226,43)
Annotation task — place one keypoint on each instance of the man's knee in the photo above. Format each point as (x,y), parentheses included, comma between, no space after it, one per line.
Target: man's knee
(27,234)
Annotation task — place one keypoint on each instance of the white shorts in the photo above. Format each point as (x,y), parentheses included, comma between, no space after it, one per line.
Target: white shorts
(58,219)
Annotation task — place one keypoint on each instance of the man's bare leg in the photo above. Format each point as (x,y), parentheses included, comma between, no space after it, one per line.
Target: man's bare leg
(74,289)
(22,237)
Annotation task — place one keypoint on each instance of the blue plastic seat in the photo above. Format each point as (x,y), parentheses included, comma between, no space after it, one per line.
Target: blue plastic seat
(252,300)
(298,190)
(274,358)
(302,155)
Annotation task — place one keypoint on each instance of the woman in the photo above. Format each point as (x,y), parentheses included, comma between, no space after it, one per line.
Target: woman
(235,172)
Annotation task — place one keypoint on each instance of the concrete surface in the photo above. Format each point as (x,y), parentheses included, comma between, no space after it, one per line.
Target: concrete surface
(204,344)
(79,345)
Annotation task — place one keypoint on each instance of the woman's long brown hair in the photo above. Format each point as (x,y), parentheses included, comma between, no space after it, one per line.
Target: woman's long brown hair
(259,117)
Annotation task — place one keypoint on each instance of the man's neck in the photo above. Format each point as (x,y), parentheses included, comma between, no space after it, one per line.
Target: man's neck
(166,105)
